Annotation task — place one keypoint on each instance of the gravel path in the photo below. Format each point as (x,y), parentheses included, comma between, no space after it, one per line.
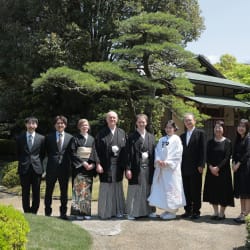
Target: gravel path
(150,234)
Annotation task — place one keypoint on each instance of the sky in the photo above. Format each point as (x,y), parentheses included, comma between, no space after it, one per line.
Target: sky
(227,30)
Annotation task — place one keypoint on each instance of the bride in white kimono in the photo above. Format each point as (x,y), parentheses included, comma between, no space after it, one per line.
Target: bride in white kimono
(167,189)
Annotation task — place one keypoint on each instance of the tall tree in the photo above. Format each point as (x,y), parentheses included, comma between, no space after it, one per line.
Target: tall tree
(235,71)
(38,35)
(188,10)
(147,74)
(149,56)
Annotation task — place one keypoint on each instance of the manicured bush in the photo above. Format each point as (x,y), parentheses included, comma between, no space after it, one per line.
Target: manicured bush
(9,166)
(14,229)
(10,177)
(7,147)
(247,245)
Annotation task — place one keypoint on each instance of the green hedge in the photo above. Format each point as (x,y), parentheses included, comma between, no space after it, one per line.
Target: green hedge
(10,178)
(14,229)
(7,147)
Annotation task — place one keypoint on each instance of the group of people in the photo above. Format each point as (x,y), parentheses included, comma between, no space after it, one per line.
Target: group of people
(167,175)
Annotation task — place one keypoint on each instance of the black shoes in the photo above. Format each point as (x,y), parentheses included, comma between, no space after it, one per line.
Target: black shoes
(221,217)
(214,217)
(240,219)
(186,215)
(217,217)
(63,217)
(193,216)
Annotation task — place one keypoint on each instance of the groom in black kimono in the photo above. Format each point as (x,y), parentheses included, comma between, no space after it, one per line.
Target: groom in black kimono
(111,159)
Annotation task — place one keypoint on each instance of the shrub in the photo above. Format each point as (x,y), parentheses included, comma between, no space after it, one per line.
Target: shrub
(14,229)
(7,147)
(247,245)
(10,177)
(8,166)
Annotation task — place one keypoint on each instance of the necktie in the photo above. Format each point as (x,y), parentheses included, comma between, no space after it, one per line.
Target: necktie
(59,143)
(30,137)
(188,136)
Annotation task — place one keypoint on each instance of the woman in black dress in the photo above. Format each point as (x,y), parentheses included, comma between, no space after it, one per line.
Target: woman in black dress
(218,189)
(241,168)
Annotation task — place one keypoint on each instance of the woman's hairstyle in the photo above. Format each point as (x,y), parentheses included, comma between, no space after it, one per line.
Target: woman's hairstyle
(171,123)
(219,122)
(81,121)
(245,123)
(142,116)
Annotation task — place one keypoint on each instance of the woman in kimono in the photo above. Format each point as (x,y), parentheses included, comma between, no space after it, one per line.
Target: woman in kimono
(83,171)
(218,188)
(110,158)
(241,169)
(140,169)
(167,189)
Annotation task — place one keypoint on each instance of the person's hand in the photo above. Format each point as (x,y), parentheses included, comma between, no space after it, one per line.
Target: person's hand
(89,167)
(200,170)
(128,174)
(235,166)
(165,163)
(160,163)
(99,169)
(214,170)
(85,165)
(43,175)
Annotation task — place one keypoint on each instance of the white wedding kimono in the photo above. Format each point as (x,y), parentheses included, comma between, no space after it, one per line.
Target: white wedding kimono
(167,189)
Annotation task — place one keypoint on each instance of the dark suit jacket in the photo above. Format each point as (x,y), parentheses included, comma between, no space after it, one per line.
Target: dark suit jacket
(58,160)
(135,146)
(102,152)
(33,157)
(194,154)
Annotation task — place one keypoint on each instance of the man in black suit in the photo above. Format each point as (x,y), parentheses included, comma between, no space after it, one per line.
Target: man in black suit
(193,162)
(58,165)
(30,153)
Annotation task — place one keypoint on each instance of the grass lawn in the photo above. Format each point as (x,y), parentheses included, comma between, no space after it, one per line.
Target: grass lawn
(53,233)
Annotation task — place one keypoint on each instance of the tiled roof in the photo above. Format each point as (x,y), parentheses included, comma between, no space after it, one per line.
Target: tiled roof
(219,101)
(216,81)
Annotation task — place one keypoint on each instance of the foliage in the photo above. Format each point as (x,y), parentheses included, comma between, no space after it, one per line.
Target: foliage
(39,36)
(235,71)
(69,79)
(9,166)
(188,10)
(10,177)
(149,60)
(227,63)
(14,229)
(7,147)
(51,233)
(180,107)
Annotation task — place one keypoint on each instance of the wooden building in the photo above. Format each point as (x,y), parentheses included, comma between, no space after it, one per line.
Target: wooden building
(215,96)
